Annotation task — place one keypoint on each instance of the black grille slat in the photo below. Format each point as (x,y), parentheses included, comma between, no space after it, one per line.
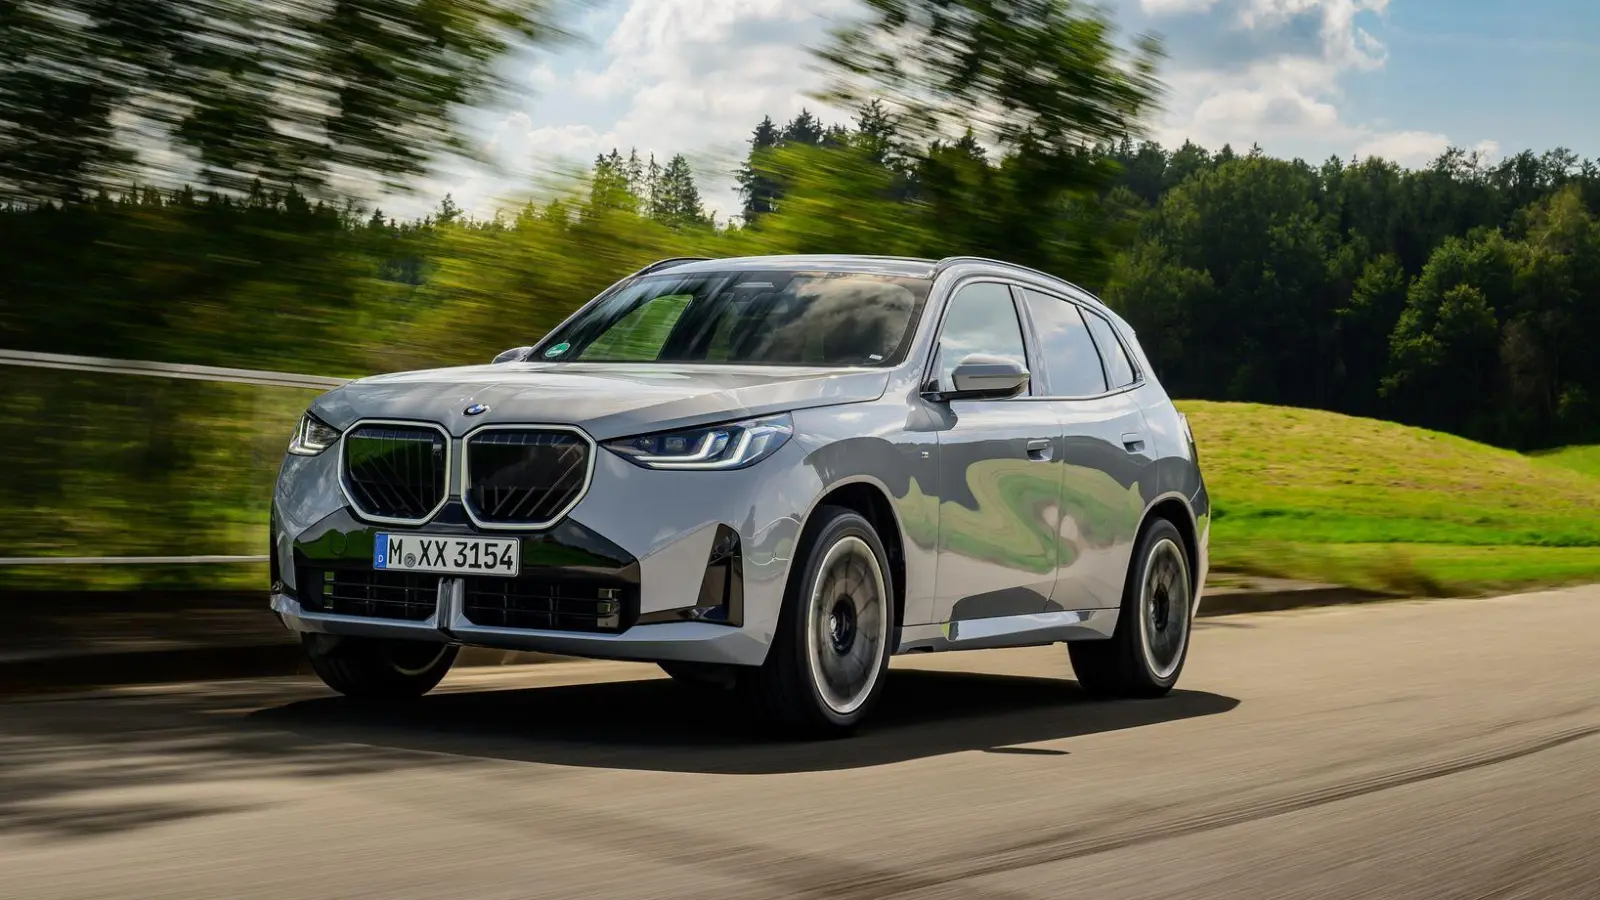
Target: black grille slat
(395,471)
(525,476)
(404,596)
(549,604)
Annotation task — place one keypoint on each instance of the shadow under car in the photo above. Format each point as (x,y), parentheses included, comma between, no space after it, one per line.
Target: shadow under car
(660,725)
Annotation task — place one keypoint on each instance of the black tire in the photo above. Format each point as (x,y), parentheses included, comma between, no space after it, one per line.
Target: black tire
(701,676)
(852,643)
(1146,652)
(381,671)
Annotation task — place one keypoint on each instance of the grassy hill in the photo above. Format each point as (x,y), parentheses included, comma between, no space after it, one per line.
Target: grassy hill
(1585,460)
(1303,493)
(187,468)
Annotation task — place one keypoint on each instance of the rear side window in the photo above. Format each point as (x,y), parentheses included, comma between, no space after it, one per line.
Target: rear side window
(1119,372)
(1071,364)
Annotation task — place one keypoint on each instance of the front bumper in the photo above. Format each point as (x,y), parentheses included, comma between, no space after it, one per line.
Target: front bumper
(671,641)
(651,550)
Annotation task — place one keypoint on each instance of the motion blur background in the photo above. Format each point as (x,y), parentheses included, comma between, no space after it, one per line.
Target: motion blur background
(1390,368)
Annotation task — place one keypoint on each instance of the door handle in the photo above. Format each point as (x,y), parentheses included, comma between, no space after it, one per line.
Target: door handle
(1133,442)
(1041,450)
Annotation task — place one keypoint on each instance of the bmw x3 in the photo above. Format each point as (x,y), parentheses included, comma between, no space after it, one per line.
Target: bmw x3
(770,474)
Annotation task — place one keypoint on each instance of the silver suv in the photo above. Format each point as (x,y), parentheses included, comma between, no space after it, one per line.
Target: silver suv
(770,474)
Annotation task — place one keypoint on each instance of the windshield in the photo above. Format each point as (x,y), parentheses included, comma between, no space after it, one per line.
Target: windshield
(774,318)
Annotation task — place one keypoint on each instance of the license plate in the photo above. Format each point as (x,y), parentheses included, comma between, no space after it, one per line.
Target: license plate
(447,555)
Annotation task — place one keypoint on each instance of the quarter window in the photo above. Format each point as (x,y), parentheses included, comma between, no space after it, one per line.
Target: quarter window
(1071,364)
(1119,372)
(982,318)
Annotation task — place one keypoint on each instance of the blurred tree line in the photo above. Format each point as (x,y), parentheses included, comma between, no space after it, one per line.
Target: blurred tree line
(1463,296)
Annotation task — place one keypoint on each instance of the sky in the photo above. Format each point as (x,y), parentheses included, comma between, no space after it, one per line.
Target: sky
(1403,79)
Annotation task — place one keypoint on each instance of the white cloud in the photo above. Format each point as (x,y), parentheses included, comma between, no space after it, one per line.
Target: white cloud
(1171,7)
(695,76)
(1417,149)
(1272,72)
(1408,148)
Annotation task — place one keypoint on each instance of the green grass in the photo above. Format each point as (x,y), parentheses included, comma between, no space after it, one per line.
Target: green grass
(1308,494)
(1584,460)
(145,466)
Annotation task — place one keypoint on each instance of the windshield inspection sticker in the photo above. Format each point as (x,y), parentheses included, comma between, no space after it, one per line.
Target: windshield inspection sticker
(557,350)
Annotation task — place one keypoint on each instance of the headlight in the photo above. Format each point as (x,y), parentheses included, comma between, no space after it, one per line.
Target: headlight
(312,436)
(732,446)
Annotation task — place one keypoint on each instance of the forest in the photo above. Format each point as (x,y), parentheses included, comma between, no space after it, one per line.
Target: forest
(1463,296)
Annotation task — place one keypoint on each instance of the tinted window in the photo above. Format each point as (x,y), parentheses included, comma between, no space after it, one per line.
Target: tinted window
(756,317)
(1118,369)
(1071,364)
(982,318)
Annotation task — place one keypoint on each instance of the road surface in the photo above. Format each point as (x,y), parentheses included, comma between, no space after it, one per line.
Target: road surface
(1448,749)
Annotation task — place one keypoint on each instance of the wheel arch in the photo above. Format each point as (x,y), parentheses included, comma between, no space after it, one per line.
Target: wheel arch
(869,498)
(1175,508)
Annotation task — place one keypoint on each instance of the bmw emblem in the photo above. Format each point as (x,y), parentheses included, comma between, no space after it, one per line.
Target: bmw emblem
(476,409)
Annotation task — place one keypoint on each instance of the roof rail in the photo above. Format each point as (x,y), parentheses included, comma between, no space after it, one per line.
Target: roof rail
(669,263)
(955,260)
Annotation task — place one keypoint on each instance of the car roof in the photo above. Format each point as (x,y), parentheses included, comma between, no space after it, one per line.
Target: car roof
(902,266)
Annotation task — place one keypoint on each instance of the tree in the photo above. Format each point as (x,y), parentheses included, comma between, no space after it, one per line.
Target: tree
(1443,348)
(1045,72)
(757,185)
(288,93)
(1041,80)
(679,205)
(611,185)
(804,129)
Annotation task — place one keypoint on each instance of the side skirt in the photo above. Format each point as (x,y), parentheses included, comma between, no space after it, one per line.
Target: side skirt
(1010,631)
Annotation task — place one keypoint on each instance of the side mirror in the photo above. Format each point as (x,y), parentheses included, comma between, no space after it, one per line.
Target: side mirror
(518,354)
(984,377)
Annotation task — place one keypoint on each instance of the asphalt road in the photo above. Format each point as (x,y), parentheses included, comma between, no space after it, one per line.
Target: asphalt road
(1448,749)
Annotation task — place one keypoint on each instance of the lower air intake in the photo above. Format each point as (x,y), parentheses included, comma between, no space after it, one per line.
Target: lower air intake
(400,596)
(551,604)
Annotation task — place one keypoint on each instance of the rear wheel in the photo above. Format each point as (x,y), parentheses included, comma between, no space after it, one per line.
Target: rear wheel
(1145,655)
(373,669)
(825,670)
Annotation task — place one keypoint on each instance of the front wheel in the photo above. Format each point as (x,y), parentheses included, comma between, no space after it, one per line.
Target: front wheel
(370,669)
(1145,654)
(825,670)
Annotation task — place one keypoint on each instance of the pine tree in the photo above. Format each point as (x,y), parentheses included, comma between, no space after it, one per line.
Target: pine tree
(636,175)
(652,190)
(756,185)
(970,146)
(879,134)
(680,198)
(448,211)
(804,129)
(610,187)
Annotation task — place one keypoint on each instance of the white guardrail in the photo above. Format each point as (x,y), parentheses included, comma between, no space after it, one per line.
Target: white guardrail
(158,370)
(164,370)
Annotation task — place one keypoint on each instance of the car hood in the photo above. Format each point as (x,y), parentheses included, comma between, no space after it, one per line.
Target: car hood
(607,401)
